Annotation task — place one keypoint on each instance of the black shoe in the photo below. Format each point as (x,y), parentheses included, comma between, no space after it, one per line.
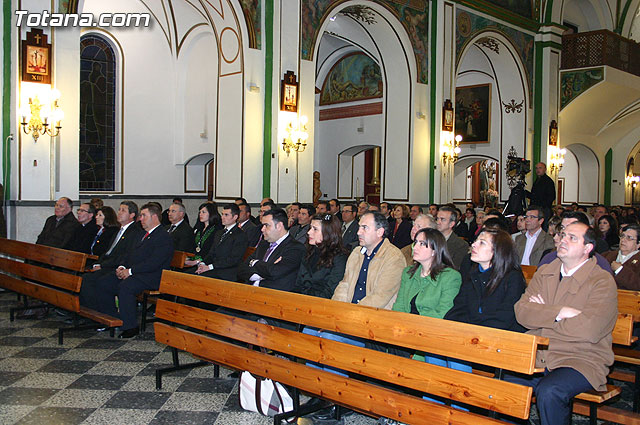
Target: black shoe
(63,313)
(129,333)
(234,375)
(314,404)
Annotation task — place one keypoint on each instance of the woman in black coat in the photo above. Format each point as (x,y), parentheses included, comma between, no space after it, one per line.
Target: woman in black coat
(400,228)
(323,266)
(107,221)
(492,282)
(209,222)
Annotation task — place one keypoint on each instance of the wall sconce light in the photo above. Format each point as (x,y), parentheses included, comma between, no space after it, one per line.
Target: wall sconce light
(42,118)
(556,158)
(296,135)
(633,181)
(451,148)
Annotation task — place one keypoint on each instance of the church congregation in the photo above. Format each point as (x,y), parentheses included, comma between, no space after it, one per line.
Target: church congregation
(449,264)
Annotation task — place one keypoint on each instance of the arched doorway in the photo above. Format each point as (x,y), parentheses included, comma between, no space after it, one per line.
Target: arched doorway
(359,173)
(475,179)
(365,75)
(579,178)
(492,102)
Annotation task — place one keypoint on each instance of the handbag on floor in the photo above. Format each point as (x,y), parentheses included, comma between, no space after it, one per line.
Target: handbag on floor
(263,395)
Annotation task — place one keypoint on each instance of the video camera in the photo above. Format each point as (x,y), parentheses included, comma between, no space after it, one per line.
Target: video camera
(517,168)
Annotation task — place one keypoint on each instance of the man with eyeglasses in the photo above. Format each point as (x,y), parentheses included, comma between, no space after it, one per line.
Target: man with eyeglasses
(349,226)
(574,303)
(625,262)
(569,217)
(86,233)
(535,241)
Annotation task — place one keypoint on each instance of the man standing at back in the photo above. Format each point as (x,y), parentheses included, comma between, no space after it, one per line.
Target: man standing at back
(574,303)
(372,275)
(543,191)
(59,228)
(141,269)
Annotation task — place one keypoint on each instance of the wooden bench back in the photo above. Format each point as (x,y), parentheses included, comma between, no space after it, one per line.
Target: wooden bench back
(623,330)
(629,302)
(179,257)
(247,252)
(58,285)
(487,346)
(528,272)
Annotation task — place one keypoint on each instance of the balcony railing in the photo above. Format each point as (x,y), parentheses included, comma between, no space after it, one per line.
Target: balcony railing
(598,48)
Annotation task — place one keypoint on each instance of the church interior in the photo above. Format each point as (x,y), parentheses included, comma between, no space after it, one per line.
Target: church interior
(400,101)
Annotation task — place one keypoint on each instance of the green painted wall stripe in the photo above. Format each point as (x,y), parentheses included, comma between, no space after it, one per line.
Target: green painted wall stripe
(6,98)
(432,92)
(608,169)
(537,104)
(548,13)
(623,17)
(268,98)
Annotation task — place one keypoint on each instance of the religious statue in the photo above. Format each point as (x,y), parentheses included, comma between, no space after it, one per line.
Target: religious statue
(317,193)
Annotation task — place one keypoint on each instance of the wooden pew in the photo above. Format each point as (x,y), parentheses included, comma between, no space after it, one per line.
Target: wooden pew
(148,297)
(528,272)
(51,275)
(629,303)
(198,331)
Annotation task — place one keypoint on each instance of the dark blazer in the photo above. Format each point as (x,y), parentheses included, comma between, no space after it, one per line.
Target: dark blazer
(150,256)
(84,236)
(543,192)
(299,232)
(104,240)
(226,254)
(402,237)
(182,237)
(60,235)
(466,231)
(543,242)
(206,244)
(252,231)
(319,282)
(629,276)
(350,237)
(129,239)
(281,275)
(472,305)
(458,249)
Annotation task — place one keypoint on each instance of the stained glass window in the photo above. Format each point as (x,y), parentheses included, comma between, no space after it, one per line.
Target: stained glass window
(97,114)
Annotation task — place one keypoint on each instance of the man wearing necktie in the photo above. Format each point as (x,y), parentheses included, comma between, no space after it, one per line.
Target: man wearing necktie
(276,261)
(227,250)
(141,269)
(181,232)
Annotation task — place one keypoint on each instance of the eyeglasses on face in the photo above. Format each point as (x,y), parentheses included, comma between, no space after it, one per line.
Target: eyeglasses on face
(532,217)
(83,210)
(628,237)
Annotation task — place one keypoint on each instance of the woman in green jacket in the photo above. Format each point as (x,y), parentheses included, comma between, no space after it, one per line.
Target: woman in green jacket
(428,286)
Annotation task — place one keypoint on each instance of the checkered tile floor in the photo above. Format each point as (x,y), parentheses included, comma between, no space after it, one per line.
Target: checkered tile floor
(95,379)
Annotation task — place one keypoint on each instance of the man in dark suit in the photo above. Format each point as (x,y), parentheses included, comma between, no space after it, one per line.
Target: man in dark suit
(86,232)
(247,225)
(59,229)
(334,208)
(229,245)
(349,226)
(165,214)
(181,232)
(127,237)
(457,247)
(140,270)
(276,261)
(300,230)
(543,191)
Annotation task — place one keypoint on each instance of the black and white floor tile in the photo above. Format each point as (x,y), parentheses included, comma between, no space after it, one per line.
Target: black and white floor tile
(95,379)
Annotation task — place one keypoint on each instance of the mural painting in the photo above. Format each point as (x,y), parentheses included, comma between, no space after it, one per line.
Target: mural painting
(523,8)
(353,77)
(413,14)
(251,10)
(468,25)
(473,113)
(574,83)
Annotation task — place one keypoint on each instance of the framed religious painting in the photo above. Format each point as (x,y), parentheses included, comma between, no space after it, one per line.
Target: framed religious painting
(36,58)
(289,93)
(473,113)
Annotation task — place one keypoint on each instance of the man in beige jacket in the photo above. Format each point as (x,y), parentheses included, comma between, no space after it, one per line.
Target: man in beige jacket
(373,272)
(574,303)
